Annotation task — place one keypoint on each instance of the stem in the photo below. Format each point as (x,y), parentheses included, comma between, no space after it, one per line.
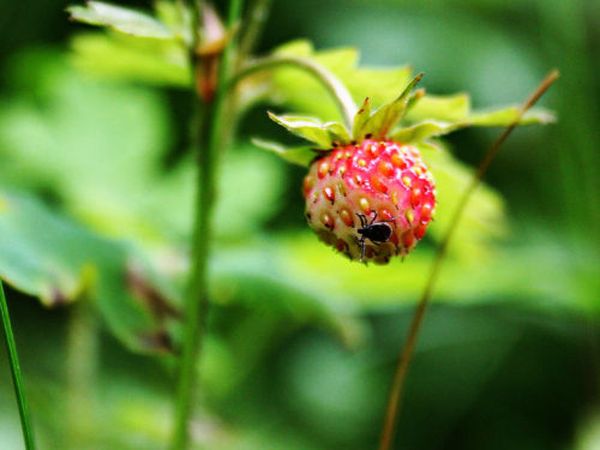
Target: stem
(15,369)
(257,16)
(395,395)
(336,88)
(81,365)
(196,302)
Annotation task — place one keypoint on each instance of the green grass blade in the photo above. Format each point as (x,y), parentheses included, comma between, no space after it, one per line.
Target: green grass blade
(15,369)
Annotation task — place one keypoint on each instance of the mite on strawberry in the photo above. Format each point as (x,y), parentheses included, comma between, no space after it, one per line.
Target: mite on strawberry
(368,195)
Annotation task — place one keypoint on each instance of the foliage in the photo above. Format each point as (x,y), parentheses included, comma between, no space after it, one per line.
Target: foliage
(90,210)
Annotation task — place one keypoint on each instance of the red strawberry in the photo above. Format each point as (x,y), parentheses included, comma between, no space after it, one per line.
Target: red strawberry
(371,200)
(368,195)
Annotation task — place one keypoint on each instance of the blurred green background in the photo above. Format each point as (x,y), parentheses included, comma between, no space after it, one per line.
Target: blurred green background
(302,344)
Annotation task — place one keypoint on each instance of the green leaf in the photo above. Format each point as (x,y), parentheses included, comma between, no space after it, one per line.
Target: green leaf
(120,19)
(483,220)
(56,148)
(122,57)
(506,116)
(49,142)
(246,272)
(299,91)
(55,259)
(241,212)
(177,17)
(323,135)
(501,117)
(387,116)
(451,108)
(477,274)
(301,156)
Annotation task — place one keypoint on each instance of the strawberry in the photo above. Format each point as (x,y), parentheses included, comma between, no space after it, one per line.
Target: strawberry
(371,200)
(368,193)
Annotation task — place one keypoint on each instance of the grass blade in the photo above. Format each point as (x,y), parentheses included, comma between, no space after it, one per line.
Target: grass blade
(15,369)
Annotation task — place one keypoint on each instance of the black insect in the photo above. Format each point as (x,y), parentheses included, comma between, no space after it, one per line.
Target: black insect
(376,232)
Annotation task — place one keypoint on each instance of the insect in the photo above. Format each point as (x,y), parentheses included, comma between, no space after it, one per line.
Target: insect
(376,232)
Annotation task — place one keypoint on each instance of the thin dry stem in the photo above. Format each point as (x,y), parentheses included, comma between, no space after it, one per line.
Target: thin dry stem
(395,396)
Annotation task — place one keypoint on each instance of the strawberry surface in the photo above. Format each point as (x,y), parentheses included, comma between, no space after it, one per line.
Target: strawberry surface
(384,181)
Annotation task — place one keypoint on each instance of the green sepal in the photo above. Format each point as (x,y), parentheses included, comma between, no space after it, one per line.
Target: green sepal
(386,117)
(120,19)
(323,135)
(301,156)
(361,117)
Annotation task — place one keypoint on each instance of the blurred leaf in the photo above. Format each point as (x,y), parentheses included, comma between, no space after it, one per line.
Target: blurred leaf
(506,116)
(257,274)
(97,158)
(98,148)
(321,134)
(177,16)
(449,108)
(105,163)
(54,259)
(483,219)
(534,273)
(333,390)
(131,59)
(588,435)
(500,117)
(381,84)
(301,92)
(121,19)
(423,130)
(301,156)
(251,190)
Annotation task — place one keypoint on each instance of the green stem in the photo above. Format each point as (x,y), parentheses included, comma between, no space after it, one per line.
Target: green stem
(15,368)
(336,88)
(81,367)
(404,360)
(196,301)
(258,12)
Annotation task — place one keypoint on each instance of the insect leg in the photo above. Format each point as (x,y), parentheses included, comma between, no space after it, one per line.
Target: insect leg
(363,220)
(374,218)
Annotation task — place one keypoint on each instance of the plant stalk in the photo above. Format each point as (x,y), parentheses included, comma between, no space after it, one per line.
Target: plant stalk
(336,88)
(258,12)
(196,298)
(81,367)
(395,396)
(17,377)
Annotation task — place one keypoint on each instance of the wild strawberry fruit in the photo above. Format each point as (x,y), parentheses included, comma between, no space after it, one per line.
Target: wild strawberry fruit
(370,200)
(368,194)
